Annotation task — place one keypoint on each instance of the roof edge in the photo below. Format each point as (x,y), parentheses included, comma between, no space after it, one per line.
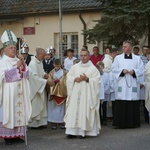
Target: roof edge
(55,12)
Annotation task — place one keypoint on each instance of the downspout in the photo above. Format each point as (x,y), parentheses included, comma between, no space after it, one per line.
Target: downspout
(84,27)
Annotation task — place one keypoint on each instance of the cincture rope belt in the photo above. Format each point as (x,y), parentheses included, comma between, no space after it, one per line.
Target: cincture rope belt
(127,82)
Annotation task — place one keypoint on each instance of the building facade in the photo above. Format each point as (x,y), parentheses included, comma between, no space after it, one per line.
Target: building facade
(39,23)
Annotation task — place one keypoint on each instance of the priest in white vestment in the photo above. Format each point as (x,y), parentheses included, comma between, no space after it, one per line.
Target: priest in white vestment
(82,105)
(145,57)
(127,69)
(38,93)
(15,105)
(147,78)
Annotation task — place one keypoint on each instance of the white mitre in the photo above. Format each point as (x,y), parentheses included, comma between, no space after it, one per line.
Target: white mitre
(8,38)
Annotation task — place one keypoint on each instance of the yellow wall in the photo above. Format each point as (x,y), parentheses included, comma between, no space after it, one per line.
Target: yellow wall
(48,26)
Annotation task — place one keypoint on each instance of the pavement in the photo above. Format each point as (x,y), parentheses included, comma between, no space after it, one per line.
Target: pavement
(108,139)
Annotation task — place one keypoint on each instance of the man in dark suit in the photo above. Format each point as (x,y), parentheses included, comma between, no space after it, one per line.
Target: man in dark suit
(48,61)
(28,59)
(28,56)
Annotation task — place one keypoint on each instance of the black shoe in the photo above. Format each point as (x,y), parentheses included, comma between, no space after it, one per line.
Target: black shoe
(62,127)
(71,136)
(54,127)
(82,137)
(104,123)
(18,140)
(147,120)
(116,127)
(43,127)
(8,141)
(37,128)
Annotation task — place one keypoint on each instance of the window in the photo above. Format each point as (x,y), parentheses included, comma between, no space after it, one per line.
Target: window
(105,45)
(69,40)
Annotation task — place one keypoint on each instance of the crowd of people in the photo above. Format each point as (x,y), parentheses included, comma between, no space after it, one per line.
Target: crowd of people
(78,95)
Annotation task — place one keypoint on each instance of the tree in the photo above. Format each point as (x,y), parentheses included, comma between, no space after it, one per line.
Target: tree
(121,20)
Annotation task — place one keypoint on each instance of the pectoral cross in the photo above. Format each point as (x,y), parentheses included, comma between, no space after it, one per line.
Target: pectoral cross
(19,121)
(19,113)
(19,103)
(19,94)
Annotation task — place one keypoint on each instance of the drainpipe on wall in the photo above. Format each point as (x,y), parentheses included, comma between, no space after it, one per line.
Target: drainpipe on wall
(84,27)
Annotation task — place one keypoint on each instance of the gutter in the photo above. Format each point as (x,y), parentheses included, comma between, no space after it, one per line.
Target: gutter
(84,27)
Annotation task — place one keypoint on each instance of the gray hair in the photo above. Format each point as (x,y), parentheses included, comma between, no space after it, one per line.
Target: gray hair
(39,51)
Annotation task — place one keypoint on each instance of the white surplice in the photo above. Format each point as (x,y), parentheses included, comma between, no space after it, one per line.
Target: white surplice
(104,89)
(107,63)
(112,86)
(68,63)
(108,60)
(127,87)
(82,105)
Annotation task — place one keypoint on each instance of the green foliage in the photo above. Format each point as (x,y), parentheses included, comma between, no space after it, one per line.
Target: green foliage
(121,20)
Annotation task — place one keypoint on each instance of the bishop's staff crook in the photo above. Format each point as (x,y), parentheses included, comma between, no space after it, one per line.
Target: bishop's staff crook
(25,126)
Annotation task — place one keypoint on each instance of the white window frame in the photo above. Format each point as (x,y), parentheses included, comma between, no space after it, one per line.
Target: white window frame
(68,43)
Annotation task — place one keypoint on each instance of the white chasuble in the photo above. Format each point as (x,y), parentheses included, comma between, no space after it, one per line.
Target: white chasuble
(127,87)
(38,94)
(82,105)
(14,98)
(147,78)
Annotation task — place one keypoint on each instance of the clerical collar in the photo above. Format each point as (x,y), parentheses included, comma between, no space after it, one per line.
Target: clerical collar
(128,56)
